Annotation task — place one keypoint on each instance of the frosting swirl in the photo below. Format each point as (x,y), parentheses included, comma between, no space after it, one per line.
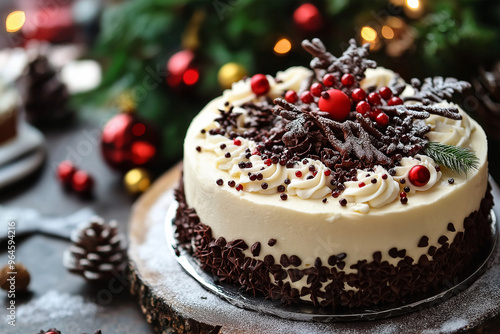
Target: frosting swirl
(402,172)
(312,184)
(448,131)
(374,189)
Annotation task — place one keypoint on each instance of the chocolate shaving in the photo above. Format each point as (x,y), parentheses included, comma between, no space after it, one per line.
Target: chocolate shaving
(354,61)
(436,89)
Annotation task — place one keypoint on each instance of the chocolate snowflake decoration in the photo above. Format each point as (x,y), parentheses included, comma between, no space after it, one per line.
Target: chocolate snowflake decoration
(436,89)
(228,123)
(353,61)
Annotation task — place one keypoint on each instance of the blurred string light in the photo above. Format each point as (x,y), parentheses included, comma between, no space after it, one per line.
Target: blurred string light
(15,21)
(191,76)
(413,4)
(413,8)
(387,32)
(370,35)
(283,46)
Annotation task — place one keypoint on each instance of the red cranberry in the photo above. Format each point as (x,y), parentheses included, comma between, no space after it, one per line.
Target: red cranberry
(358,95)
(329,80)
(347,80)
(65,171)
(259,84)
(402,194)
(82,182)
(239,187)
(268,162)
(374,113)
(374,99)
(385,92)
(361,184)
(363,107)
(382,119)
(237,142)
(291,96)
(306,97)
(327,172)
(316,89)
(394,101)
(298,173)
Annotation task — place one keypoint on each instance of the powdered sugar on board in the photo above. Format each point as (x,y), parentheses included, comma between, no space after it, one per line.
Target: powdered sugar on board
(174,286)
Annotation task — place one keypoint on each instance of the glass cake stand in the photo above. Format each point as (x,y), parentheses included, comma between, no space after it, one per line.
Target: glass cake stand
(307,312)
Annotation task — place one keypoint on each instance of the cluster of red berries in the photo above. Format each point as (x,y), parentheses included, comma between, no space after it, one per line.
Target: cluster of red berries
(77,180)
(366,104)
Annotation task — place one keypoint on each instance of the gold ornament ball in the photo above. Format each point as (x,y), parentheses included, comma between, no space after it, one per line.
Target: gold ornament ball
(229,73)
(137,181)
(20,280)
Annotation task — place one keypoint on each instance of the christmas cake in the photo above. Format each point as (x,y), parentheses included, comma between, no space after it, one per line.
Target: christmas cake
(341,185)
(9,106)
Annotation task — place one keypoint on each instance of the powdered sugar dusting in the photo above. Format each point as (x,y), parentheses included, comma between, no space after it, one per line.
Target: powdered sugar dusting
(169,281)
(55,306)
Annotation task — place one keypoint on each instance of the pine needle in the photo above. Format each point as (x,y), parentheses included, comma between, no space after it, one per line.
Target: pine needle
(456,158)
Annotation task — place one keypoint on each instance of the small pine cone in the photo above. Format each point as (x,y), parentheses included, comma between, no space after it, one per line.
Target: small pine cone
(97,252)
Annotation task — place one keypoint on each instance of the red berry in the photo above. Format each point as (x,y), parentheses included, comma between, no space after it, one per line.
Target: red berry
(419,175)
(291,96)
(358,95)
(82,182)
(374,99)
(394,101)
(237,142)
(374,113)
(361,184)
(382,119)
(363,107)
(327,172)
(347,80)
(316,89)
(239,187)
(329,80)
(402,194)
(338,104)
(268,162)
(298,173)
(65,171)
(306,97)
(385,92)
(259,84)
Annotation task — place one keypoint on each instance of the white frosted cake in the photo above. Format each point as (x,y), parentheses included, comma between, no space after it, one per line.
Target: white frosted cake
(340,185)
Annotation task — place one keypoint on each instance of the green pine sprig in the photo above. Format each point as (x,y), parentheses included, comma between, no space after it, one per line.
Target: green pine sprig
(456,158)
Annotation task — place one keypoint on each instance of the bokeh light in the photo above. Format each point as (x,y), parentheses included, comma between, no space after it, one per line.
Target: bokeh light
(368,34)
(15,21)
(283,46)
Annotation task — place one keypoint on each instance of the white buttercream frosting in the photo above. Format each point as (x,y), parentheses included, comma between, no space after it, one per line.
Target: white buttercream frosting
(449,131)
(376,188)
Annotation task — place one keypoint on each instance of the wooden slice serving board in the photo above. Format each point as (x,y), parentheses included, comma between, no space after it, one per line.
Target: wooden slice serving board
(173,302)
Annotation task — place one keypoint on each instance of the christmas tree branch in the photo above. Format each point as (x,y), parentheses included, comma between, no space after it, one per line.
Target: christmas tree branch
(456,158)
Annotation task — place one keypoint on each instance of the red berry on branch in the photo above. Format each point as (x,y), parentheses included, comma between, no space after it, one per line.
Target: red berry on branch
(382,119)
(329,80)
(82,182)
(306,97)
(358,95)
(259,84)
(374,99)
(419,175)
(291,96)
(347,80)
(385,92)
(65,172)
(316,89)
(363,107)
(394,101)
(338,104)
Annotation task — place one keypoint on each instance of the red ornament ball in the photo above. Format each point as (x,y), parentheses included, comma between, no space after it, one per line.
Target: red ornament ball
(316,89)
(307,17)
(306,97)
(129,142)
(291,96)
(419,175)
(338,104)
(358,95)
(385,92)
(363,107)
(181,69)
(347,80)
(82,182)
(65,172)
(259,84)
(329,80)
(382,119)
(374,99)
(394,101)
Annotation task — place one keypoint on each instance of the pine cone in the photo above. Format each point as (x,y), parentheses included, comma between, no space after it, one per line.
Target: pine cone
(45,96)
(487,99)
(97,252)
